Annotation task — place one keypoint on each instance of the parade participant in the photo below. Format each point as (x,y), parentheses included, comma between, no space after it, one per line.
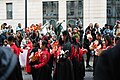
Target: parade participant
(34,36)
(29,67)
(8,61)
(76,57)
(64,68)
(49,47)
(15,50)
(39,62)
(56,48)
(96,46)
(28,46)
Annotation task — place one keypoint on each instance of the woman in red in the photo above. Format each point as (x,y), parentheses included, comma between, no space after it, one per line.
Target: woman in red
(40,69)
(29,47)
(17,51)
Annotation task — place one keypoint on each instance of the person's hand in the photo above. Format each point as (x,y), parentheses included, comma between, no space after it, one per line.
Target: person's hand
(36,66)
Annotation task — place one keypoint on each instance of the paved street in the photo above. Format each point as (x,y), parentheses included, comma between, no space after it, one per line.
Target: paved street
(29,77)
(88,74)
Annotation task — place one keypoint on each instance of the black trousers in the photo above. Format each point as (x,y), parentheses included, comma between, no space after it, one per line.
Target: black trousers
(18,71)
(16,74)
(42,73)
(88,57)
(81,69)
(94,63)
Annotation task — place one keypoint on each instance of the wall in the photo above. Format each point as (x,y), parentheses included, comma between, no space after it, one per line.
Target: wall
(94,12)
(18,12)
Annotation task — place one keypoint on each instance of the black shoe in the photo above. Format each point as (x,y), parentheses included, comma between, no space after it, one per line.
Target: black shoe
(88,66)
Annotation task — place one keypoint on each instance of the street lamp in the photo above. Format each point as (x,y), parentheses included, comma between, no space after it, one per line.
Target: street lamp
(25,13)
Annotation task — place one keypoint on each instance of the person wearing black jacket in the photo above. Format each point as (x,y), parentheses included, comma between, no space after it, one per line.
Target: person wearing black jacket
(1,40)
(108,64)
(8,63)
(64,68)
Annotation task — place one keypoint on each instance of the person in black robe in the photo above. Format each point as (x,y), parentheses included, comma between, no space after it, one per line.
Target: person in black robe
(98,38)
(108,64)
(75,60)
(34,50)
(64,67)
(39,64)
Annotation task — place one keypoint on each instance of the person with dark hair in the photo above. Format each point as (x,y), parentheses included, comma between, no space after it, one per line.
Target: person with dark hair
(108,64)
(87,41)
(3,27)
(18,39)
(34,36)
(66,42)
(107,31)
(78,23)
(77,60)
(2,38)
(64,68)
(19,28)
(95,30)
(98,43)
(102,30)
(39,59)
(108,41)
(10,30)
(117,29)
(111,31)
(16,51)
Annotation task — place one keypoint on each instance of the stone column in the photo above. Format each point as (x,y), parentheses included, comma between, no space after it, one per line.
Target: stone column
(95,12)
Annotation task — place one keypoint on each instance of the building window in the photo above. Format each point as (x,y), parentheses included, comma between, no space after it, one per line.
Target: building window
(9,11)
(50,11)
(113,11)
(74,11)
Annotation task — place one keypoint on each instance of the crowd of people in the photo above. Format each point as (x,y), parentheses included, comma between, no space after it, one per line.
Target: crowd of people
(57,54)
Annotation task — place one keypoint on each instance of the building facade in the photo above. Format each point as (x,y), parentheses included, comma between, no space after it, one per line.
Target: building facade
(41,11)
(113,11)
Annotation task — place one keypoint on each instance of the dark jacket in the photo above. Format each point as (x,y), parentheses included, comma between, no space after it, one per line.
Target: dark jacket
(108,64)
(8,61)
(2,38)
